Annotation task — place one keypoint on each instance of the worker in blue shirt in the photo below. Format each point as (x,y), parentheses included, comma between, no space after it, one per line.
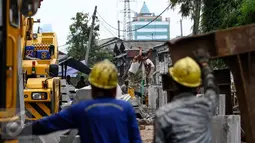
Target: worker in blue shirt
(101,120)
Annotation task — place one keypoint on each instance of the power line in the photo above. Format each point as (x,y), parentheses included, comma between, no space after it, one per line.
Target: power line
(139,27)
(110,31)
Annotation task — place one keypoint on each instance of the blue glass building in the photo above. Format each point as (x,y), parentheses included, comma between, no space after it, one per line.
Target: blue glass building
(157,30)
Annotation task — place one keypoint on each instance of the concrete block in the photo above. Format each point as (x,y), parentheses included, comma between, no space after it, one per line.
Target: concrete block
(156,96)
(226,129)
(152,97)
(221,105)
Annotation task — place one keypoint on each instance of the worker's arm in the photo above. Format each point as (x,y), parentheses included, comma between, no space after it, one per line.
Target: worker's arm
(210,87)
(134,132)
(63,120)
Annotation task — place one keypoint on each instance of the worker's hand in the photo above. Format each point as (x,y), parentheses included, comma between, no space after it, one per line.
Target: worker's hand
(201,56)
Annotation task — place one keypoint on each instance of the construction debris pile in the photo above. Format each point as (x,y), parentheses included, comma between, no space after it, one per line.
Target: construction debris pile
(146,124)
(148,121)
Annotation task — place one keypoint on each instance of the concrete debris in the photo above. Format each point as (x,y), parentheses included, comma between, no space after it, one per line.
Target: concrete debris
(142,127)
(145,112)
(145,121)
(147,134)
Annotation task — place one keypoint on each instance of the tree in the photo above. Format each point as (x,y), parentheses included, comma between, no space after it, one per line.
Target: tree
(78,38)
(247,11)
(190,8)
(220,14)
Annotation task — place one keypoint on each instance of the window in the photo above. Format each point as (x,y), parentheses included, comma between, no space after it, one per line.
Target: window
(141,19)
(14,13)
(161,57)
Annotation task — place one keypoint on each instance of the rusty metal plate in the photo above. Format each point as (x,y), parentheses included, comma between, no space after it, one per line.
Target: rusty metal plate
(235,40)
(185,46)
(219,44)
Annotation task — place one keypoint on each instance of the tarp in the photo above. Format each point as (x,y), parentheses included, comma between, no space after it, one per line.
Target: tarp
(75,64)
(70,71)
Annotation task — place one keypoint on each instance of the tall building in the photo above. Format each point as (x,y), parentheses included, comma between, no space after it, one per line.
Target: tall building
(157,30)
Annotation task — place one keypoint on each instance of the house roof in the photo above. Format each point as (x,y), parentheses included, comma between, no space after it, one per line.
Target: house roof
(144,9)
(75,64)
(134,44)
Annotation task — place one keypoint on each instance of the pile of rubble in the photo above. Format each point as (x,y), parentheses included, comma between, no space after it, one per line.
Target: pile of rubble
(148,121)
(147,117)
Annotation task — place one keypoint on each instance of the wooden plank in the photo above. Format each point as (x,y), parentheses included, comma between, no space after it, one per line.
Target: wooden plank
(226,129)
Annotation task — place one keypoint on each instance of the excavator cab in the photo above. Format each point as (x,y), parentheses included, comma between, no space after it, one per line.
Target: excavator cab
(39,53)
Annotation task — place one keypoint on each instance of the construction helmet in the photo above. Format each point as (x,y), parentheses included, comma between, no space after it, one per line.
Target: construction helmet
(104,75)
(186,72)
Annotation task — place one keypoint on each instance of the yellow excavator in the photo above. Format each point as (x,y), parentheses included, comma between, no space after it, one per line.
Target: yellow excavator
(11,88)
(42,93)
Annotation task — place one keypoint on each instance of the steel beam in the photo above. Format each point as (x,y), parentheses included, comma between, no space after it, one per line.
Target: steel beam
(237,47)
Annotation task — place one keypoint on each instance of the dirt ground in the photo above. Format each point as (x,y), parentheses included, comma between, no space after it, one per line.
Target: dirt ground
(147,134)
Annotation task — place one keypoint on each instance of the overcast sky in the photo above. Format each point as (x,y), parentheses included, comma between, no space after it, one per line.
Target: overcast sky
(58,13)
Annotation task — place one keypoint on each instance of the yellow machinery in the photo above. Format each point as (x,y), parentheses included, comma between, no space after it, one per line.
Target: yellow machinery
(11,96)
(42,84)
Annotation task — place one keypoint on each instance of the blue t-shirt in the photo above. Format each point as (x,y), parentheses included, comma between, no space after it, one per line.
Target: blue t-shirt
(106,120)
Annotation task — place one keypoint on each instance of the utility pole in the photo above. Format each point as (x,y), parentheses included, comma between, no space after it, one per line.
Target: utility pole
(90,36)
(118,29)
(181,27)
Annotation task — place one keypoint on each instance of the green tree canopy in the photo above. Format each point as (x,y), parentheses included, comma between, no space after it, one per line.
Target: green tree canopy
(220,14)
(189,8)
(78,38)
(247,11)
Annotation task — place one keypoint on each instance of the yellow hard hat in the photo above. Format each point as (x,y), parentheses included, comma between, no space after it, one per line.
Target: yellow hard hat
(104,75)
(186,72)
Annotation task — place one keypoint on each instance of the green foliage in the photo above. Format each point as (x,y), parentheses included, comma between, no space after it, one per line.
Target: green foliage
(78,39)
(247,11)
(186,6)
(220,14)
(189,8)
(218,64)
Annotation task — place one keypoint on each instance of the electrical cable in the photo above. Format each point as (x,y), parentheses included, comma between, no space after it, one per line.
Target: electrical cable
(139,27)
(110,31)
